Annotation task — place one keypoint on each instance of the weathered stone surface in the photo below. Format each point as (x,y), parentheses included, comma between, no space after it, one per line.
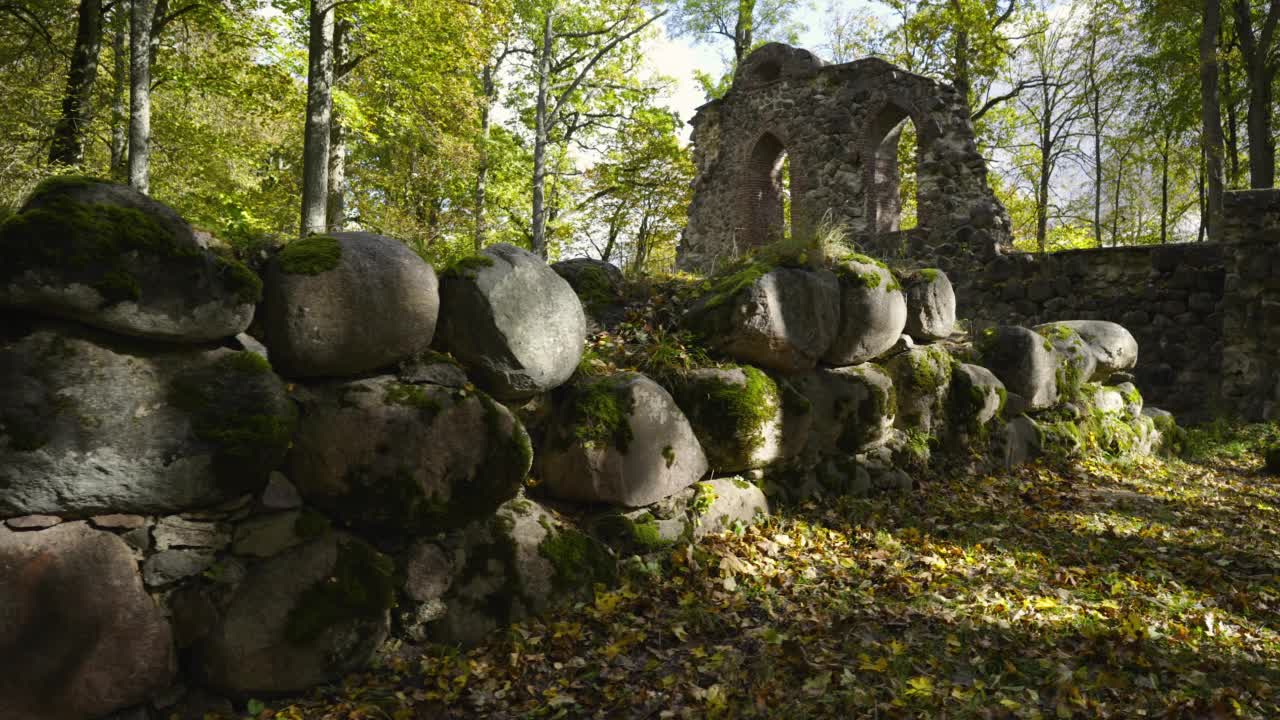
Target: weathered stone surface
(619,439)
(738,415)
(403,458)
(434,368)
(170,566)
(346,304)
(598,285)
(512,321)
(90,424)
(523,561)
(931,304)
(977,396)
(32,522)
(301,618)
(110,257)
(699,510)
(1024,361)
(79,637)
(777,318)
(850,408)
(176,532)
(1077,361)
(922,379)
(1020,442)
(280,494)
(117,521)
(428,575)
(873,312)
(1114,348)
(269,535)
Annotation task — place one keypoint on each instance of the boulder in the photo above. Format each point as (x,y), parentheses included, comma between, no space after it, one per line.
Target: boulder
(977,397)
(773,317)
(1114,348)
(301,618)
(922,379)
(619,439)
(850,409)
(523,561)
(873,312)
(347,303)
(512,321)
(108,256)
(91,425)
(1024,361)
(406,458)
(931,304)
(1076,360)
(738,416)
(699,510)
(1020,442)
(598,285)
(79,637)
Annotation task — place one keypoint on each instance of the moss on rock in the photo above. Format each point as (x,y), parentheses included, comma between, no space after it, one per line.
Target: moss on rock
(578,560)
(598,413)
(730,418)
(467,266)
(311,255)
(360,587)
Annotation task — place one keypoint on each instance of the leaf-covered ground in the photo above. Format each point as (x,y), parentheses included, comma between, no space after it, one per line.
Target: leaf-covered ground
(1078,591)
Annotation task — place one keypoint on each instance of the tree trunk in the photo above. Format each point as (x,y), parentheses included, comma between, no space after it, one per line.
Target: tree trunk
(960,79)
(540,142)
(336,212)
(1211,120)
(140,21)
(1262,147)
(315,147)
(1115,203)
(68,135)
(120,77)
(1042,189)
(1228,99)
(1095,107)
(743,31)
(1164,189)
(482,169)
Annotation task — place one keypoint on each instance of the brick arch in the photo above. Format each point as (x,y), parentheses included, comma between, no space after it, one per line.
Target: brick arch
(760,191)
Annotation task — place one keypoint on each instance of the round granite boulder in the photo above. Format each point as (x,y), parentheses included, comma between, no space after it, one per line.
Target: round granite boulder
(1024,361)
(1077,362)
(922,378)
(931,304)
(108,256)
(80,636)
(513,322)
(598,285)
(347,303)
(405,458)
(1114,348)
(738,415)
(779,318)
(977,397)
(619,439)
(873,311)
(849,409)
(95,424)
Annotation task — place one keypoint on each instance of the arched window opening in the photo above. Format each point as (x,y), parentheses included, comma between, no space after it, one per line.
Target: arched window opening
(765,201)
(893,181)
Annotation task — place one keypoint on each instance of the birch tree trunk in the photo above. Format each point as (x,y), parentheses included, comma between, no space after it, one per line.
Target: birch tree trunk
(1211,120)
(541,135)
(119,92)
(140,20)
(315,147)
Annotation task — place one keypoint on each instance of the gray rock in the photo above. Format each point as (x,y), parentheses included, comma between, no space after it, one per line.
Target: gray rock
(977,396)
(850,409)
(346,304)
(72,605)
(1020,442)
(170,566)
(721,504)
(117,521)
(91,425)
(1077,362)
(301,618)
(513,322)
(522,562)
(922,379)
(781,319)
(1114,347)
(402,458)
(1132,399)
(434,368)
(738,415)
(176,532)
(280,494)
(1024,361)
(108,256)
(931,304)
(428,575)
(873,312)
(33,522)
(598,285)
(620,439)
(194,613)
(267,535)
(704,508)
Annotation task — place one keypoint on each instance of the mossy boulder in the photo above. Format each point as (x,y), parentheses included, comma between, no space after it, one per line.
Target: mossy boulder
(347,304)
(922,379)
(873,312)
(778,318)
(977,397)
(1076,360)
(84,638)
(108,256)
(931,304)
(91,423)
(515,324)
(738,415)
(1025,362)
(1114,348)
(598,285)
(523,561)
(302,618)
(850,409)
(619,439)
(402,458)
(704,508)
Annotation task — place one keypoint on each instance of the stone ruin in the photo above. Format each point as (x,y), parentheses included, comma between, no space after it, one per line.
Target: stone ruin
(217,486)
(839,127)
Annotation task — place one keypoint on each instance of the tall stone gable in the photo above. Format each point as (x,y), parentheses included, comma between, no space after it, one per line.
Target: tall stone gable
(839,126)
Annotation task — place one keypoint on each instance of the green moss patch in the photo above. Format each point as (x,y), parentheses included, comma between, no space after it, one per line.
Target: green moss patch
(579,560)
(310,255)
(594,287)
(360,588)
(730,418)
(597,414)
(726,286)
(468,266)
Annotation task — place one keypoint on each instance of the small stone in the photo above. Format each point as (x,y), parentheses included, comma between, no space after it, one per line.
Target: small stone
(138,538)
(280,494)
(428,572)
(175,532)
(33,522)
(117,521)
(170,566)
(267,535)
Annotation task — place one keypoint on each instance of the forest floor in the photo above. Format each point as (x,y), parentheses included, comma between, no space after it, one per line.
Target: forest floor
(1071,590)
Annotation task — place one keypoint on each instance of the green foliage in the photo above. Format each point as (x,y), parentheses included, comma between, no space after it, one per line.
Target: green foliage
(310,255)
(704,496)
